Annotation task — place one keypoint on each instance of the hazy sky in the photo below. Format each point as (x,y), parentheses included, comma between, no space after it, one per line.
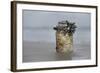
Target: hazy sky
(41,23)
(49,19)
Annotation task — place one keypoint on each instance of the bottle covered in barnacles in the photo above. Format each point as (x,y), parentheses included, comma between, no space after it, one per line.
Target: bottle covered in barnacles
(64,36)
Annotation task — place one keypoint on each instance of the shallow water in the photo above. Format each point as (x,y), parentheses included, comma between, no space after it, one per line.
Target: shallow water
(39,51)
(37,47)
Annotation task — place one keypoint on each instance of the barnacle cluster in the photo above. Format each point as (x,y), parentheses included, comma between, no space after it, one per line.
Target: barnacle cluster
(66,27)
(64,36)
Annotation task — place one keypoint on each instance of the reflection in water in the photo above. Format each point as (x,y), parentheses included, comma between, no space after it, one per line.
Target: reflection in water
(59,56)
(44,51)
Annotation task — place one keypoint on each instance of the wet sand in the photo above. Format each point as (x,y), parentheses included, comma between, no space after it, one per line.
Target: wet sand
(45,51)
